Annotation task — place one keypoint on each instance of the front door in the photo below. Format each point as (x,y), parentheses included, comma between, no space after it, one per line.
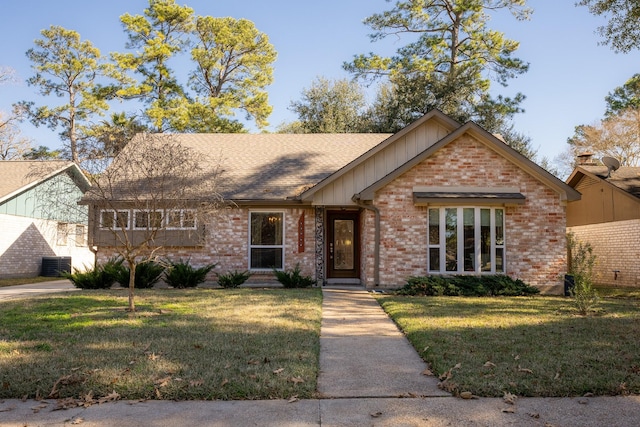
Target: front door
(343,245)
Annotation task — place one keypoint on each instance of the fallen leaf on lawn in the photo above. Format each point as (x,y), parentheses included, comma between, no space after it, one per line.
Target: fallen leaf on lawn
(511,410)
(528,371)
(195,383)
(489,365)
(227,366)
(153,356)
(278,371)
(557,376)
(158,394)
(163,382)
(516,357)
(588,395)
(296,380)
(458,366)
(293,399)
(509,398)
(427,372)
(375,414)
(253,362)
(224,382)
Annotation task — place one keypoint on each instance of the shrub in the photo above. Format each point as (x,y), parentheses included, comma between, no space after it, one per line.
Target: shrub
(233,279)
(293,278)
(148,273)
(492,285)
(102,276)
(182,274)
(581,264)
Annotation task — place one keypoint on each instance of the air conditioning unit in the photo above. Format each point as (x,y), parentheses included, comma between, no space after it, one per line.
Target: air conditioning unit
(54,266)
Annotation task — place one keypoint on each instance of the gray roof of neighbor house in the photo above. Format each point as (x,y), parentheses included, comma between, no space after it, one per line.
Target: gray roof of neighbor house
(626,178)
(272,167)
(17,176)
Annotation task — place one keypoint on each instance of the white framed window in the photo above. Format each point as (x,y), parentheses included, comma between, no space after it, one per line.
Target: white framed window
(147,220)
(181,219)
(62,234)
(266,240)
(466,240)
(110,219)
(81,235)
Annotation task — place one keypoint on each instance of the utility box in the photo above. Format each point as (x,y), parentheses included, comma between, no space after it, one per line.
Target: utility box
(54,266)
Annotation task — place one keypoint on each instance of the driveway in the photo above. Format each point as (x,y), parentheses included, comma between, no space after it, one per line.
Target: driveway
(22,291)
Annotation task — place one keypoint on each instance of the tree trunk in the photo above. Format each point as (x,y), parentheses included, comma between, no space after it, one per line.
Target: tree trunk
(132,286)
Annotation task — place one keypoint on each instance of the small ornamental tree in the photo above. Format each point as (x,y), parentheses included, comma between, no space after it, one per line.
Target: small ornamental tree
(582,262)
(155,193)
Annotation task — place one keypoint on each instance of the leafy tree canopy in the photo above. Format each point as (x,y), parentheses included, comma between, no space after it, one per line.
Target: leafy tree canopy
(621,32)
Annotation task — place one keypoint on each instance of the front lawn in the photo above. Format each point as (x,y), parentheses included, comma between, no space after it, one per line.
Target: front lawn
(180,344)
(527,346)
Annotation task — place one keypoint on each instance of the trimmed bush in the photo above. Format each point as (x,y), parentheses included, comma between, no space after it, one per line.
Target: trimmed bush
(233,279)
(181,274)
(492,285)
(102,276)
(293,278)
(147,274)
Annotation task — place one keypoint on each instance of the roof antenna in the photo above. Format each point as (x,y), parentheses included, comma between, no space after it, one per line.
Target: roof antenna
(611,164)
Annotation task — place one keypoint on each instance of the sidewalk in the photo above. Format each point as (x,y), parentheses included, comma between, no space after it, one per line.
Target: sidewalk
(368,376)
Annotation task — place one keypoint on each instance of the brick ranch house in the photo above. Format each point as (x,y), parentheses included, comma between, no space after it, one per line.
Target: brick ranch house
(438,197)
(608,218)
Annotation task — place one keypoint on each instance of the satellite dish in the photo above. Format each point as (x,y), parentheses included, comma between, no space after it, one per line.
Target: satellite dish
(611,164)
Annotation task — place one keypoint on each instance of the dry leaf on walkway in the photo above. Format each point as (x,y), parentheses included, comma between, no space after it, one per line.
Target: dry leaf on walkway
(376,414)
(509,398)
(511,410)
(77,420)
(427,372)
(467,395)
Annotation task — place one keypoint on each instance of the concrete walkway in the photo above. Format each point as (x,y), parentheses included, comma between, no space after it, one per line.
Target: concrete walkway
(363,354)
(369,375)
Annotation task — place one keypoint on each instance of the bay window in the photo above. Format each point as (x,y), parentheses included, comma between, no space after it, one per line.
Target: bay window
(466,240)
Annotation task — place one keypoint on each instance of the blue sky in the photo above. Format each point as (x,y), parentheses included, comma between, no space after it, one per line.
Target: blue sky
(569,75)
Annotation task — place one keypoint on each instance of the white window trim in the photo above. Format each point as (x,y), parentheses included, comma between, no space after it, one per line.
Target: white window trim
(148,212)
(460,242)
(115,219)
(181,227)
(250,246)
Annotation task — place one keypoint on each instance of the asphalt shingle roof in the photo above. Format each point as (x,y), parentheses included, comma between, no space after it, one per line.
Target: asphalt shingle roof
(18,174)
(626,178)
(274,166)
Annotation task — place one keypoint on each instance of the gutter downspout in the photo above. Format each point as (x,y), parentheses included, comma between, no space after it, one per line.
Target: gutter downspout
(376,250)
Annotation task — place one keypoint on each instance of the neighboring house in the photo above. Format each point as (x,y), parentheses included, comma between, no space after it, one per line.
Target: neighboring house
(608,218)
(436,198)
(39,216)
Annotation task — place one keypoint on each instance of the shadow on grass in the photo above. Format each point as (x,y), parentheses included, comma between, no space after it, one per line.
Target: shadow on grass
(531,346)
(194,344)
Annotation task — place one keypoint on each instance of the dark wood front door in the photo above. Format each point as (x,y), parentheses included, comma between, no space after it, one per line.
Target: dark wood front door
(343,245)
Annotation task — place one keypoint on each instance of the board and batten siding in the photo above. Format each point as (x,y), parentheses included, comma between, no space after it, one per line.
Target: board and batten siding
(380,164)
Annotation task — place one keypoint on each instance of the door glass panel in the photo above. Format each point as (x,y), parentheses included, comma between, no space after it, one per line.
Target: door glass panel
(343,244)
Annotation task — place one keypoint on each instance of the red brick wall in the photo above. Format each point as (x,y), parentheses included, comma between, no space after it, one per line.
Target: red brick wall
(535,242)
(227,244)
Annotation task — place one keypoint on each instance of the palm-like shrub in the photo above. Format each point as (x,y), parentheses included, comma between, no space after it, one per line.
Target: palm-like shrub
(233,279)
(182,274)
(148,273)
(102,276)
(293,278)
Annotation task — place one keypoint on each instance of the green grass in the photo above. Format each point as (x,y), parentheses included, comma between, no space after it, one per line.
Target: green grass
(27,280)
(180,344)
(618,291)
(528,346)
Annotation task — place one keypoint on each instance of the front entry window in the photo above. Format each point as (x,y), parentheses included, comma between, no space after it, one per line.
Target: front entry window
(466,240)
(343,243)
(266,247)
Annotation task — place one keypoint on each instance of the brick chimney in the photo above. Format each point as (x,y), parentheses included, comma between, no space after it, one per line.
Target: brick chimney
(586,159)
